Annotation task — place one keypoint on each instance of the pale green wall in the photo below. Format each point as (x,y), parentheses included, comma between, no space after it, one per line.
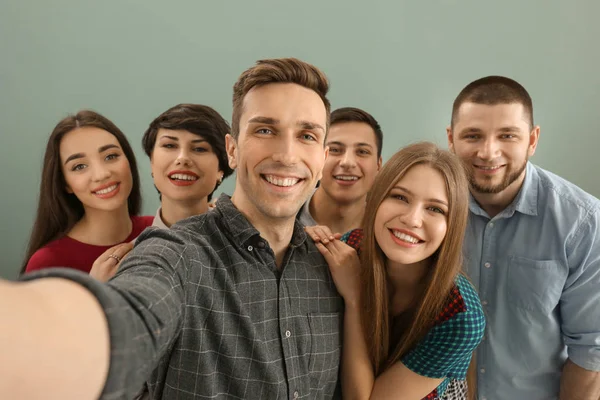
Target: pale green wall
(404,61)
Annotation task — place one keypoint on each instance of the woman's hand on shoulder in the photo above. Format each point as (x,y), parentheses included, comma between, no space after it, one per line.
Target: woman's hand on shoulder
(106,266)
(321,233)
(344,265)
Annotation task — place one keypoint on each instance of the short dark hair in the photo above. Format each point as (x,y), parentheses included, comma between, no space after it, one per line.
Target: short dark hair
(353,114)
(492,90)
(198,119)
(278,70)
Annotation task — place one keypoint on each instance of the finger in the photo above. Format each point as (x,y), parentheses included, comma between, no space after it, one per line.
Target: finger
(324,237)
(334,248)
(327,232)
(310,231)
(329,257)
(124,249)
(343,247)
(108,252)
(322,249)
(118,252)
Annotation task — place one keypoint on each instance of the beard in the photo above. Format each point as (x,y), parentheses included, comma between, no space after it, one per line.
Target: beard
(510,176)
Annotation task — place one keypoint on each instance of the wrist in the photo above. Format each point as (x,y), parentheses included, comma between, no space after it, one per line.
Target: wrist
(352,304)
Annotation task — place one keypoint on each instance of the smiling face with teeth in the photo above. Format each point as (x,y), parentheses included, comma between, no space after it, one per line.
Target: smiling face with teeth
(184,167)
(411,222)
(279,153)
(495,141)
(95,169)
(352,164)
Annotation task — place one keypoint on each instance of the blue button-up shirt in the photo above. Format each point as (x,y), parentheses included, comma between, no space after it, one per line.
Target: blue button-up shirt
(536,266)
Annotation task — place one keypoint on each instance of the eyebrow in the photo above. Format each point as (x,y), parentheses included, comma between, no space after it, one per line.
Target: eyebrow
(336,143)
(272,121)
(412,194)
(175,138)
(473,129)
(469,129)
(102,149)
(509,129)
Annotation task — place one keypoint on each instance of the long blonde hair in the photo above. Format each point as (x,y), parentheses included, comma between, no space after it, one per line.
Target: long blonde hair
(446,262)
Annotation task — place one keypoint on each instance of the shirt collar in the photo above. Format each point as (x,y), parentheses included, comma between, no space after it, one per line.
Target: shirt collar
(158,221)
(242,230)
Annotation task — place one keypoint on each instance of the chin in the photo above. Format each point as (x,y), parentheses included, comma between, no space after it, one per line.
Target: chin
(280,212)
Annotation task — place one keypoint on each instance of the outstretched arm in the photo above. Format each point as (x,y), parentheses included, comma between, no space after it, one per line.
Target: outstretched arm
(52,346)
(67,336)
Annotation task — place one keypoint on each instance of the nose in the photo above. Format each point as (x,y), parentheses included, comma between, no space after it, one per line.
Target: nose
(100,172)
(488,150)
(348,160)
(285,150)
(183,157)
(413,217)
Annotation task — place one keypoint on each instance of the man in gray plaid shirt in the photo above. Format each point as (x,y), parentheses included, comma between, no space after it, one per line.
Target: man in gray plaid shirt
(236,303)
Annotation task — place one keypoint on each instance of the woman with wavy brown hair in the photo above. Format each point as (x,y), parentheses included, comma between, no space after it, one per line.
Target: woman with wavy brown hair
(412,319)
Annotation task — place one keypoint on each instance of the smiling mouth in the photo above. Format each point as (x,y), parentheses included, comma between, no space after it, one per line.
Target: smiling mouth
(406,237)
(183,177)
(107,190)
(491,168)
(281,182)
(346,178)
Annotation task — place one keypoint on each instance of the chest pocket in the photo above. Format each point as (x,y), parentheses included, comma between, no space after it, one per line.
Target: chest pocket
(535,285)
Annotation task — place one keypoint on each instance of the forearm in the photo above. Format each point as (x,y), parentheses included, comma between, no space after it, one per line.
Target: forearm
(577,383)
(357,371)
(54,341)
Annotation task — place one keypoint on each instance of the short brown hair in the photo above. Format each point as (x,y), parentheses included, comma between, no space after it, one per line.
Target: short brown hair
(492,90)
(353,114)
(278,70)
(198,119)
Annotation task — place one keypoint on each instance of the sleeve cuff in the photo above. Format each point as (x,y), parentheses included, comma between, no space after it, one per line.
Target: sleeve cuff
(586,357)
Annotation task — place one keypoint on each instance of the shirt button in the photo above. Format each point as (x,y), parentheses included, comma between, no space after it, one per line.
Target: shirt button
(288,334)
(482,370)
(296,394)
(484,398)
(261,244)
(487,265)
(491,224)
(250,248)
(484,302)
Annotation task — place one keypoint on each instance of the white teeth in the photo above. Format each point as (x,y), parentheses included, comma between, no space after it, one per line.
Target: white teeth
(346,177)
(183,177)
(107,190)
(281,181)
(489,168)
(405,237)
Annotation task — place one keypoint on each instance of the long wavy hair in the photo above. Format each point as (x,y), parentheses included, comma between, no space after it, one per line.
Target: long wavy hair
(58,211)
(446,262)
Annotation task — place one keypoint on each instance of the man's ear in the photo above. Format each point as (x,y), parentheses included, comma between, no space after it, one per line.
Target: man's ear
(450,137)
(534,138)
(231,146)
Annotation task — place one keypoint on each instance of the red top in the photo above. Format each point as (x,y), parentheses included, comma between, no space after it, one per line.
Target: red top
(71,253)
